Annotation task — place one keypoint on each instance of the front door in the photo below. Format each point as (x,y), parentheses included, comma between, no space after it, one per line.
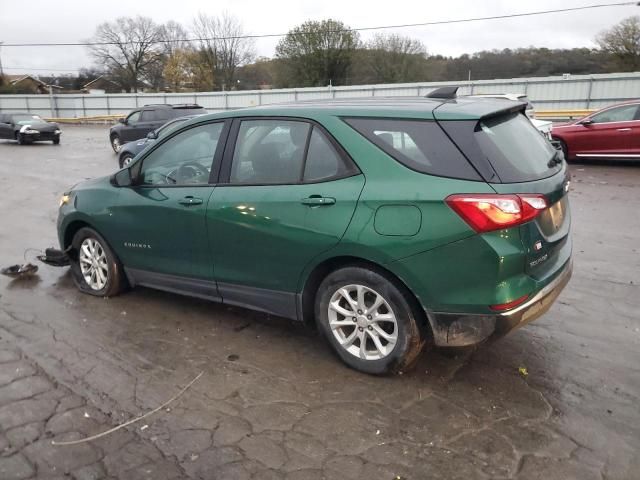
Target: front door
(130,130)
(289,195)
(162,219)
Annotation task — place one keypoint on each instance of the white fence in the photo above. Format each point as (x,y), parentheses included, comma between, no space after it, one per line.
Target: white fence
(548,93)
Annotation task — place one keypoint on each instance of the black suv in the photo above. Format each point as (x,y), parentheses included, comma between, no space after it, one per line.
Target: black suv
(145,119)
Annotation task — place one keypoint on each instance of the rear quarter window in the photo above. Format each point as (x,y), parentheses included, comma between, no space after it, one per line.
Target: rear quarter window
(420,145)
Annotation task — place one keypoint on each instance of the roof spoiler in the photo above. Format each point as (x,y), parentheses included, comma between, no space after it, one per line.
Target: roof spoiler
(443,92)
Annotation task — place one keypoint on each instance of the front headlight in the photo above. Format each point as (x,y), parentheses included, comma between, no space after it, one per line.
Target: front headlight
(57,132)
(65,199)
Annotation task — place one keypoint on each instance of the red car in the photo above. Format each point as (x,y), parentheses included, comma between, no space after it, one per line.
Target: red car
(613,132)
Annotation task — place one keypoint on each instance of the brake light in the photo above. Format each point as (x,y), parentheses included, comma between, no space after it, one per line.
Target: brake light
(488,212)
(501,307)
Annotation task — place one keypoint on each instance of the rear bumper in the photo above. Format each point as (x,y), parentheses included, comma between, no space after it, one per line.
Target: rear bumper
(459,329)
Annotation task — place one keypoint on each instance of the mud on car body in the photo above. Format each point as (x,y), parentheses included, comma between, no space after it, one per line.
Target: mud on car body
(389,223)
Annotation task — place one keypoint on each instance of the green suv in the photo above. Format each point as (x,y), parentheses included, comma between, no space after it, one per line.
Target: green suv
(387,222)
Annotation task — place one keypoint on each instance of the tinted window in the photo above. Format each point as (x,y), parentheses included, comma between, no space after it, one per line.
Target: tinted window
(515,149)
(134,117)
(184,159)
(183,111)
(269,152)
(148,116)
(323,161)
(620,114)
(162,114)
(419,144)
(167,127)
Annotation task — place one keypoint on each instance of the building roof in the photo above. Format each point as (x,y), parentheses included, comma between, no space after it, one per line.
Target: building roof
(100,78)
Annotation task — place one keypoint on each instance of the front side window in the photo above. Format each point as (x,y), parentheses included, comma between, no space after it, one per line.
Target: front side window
(148,116)
(619,114)
(134,117)
(184,159)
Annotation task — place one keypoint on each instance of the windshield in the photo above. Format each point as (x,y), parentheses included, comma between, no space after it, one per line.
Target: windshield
(516,150)
(25,119)
(167,127)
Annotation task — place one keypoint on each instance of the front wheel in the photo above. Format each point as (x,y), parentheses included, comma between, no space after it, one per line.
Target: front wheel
(115,143)
(369,321)
(125,160)
(22,140)
(56,140)
(96,269)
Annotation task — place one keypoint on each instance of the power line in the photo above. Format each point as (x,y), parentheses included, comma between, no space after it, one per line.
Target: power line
(361,29)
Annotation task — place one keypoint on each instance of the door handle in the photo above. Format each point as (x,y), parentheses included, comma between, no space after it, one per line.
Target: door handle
(317,200)
(189,200)
(624,129)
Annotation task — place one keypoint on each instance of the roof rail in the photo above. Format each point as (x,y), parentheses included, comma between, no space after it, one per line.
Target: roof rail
(443,92)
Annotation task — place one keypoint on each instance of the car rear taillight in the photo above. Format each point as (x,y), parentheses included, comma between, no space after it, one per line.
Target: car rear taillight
(502,307)
(488,212)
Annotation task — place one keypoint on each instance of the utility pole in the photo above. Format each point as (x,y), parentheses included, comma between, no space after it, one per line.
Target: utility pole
(1,71)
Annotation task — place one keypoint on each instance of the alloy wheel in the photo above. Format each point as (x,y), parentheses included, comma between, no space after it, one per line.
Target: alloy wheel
(93,264)
(115,143)
(363,322)
(127,160)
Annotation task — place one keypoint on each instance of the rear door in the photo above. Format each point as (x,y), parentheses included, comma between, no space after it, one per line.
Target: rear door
(287,193)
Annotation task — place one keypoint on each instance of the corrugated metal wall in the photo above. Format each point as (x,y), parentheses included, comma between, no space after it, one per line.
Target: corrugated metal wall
(548,93)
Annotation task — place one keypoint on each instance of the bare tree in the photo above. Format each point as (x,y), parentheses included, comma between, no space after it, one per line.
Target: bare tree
(623,42)
(128,49)
(395,58)
(173,36)
(222,46)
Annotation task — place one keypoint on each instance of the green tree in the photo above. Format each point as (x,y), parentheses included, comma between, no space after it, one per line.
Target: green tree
(316,53)
(622,41)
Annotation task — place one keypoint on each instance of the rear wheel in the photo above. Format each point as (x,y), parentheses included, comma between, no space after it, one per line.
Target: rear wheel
(96,269)
(115,143)
(368,321)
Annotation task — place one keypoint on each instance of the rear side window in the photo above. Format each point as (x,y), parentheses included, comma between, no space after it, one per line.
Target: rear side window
(515,149)
(148,116)
(418,144)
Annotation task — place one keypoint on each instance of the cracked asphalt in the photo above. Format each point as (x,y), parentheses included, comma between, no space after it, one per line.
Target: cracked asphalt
(273,402)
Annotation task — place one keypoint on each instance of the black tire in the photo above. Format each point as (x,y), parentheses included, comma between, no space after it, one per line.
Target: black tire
(21,139)
(115,281)
(410,335)
(116,144)
(56,140)
(124,157)
(565,150)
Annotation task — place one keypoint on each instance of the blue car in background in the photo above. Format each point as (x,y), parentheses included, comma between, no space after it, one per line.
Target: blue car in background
(129,150)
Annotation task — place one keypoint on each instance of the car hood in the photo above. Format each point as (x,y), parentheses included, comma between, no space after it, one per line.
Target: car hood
(90,183)
(40,125)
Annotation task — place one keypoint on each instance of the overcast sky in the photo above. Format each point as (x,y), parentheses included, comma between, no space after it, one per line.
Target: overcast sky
(73,21)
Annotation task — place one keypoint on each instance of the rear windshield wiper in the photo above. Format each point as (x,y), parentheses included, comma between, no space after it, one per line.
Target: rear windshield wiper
(556,159)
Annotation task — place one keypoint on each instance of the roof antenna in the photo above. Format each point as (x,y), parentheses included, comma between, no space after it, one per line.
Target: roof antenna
(443,92)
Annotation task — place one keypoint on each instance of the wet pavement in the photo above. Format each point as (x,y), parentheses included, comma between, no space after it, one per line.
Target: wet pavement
(273,402)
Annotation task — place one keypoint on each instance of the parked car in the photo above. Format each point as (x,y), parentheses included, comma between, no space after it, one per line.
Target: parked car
(370,218)
(28,128)
(543,126)
(613,132)
(129,150)
(141,121)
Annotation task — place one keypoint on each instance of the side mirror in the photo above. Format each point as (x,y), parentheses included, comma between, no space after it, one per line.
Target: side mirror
(586,122)
(122,178)
(152,135)
(122,120)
